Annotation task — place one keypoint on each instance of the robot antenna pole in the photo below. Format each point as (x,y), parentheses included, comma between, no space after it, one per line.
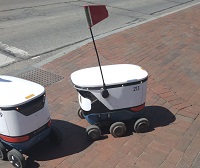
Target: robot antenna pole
(104,85)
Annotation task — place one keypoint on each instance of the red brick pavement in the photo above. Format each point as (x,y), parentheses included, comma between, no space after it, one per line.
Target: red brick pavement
(169,49)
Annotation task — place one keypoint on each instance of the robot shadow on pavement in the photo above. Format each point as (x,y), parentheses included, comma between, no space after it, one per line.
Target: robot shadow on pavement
(45,151)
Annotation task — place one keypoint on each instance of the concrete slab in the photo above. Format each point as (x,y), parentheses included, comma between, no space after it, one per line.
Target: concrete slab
(4,60)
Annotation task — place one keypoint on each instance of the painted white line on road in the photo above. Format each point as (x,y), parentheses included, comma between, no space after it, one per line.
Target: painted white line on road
(5,60)
(35,57)
(14,51)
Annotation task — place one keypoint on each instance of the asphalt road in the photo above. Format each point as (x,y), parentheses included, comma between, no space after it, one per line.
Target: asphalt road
(31,31)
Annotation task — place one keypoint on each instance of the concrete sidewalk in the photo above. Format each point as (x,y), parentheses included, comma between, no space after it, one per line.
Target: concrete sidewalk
(169,49)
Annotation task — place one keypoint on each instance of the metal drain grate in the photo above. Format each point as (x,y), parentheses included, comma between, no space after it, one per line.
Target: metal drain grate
(40,76)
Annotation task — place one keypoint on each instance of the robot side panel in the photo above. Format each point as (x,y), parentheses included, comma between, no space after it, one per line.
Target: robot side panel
(123,97)
(144,92)
(3,125)
(19,124)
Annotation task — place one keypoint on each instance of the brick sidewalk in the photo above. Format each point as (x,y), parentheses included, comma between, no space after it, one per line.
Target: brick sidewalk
(169,49)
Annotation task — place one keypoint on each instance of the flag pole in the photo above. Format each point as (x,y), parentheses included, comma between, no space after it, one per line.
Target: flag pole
(91,21)
(105,93)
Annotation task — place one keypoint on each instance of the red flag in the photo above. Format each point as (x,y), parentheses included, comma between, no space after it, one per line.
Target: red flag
(95,14)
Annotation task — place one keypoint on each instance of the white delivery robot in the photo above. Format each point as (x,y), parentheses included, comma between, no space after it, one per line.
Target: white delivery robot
(24,118)
(122,97)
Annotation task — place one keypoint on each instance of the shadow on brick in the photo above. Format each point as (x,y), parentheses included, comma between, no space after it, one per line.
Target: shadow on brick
(74,141)
(158,116)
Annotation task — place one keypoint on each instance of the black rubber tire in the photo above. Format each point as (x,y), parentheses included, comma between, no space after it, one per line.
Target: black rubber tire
(118,129)
(80,113)
(16,158)
(3,152)
(55,136)
(93,132)
(141,125)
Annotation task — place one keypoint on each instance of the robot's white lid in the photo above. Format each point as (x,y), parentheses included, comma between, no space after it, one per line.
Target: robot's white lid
(113,75)
(15,91)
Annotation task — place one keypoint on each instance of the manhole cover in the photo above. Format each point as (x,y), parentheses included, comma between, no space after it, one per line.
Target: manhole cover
(40,76)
